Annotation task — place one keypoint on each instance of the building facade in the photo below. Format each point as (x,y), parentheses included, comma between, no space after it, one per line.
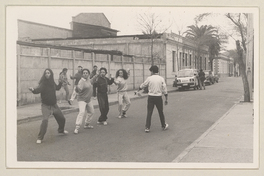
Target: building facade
(223,66)
(176,51)
(93,31)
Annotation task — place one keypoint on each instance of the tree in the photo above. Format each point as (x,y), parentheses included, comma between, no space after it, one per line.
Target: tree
(151,24)
(240,22)
(205,35)
(240,27)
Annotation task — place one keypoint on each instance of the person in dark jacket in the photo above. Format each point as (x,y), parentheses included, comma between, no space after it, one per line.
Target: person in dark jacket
(201,75)
(101,84)
(47,89)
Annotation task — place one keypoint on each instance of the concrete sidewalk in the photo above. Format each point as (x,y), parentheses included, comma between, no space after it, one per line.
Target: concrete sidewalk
(229,140)
(33,111)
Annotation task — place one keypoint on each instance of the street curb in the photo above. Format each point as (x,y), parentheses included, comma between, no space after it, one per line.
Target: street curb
(191,146)
(67,111)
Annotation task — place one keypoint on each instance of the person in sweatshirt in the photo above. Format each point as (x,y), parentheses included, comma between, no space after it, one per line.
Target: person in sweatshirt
(64,79)
(86,108)
(156,86)
(122,96)
(77,78)
(47,89)
(101,85)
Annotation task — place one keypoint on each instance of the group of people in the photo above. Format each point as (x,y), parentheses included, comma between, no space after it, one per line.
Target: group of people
(88,85)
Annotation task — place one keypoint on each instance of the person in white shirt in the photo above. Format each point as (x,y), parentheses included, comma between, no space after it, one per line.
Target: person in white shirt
(156,86)
(122,96)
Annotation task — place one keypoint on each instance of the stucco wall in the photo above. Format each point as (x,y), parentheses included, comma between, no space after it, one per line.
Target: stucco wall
(32,61)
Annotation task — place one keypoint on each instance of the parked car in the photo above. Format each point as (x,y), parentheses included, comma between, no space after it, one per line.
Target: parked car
(186,78)
(209,78)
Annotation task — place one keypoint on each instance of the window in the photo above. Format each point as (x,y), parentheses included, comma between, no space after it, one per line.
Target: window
(186,57)
(190,60)
(173,61)
(180,60)
(205,63)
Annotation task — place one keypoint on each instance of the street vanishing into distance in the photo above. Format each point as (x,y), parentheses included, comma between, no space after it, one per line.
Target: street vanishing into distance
(189,114)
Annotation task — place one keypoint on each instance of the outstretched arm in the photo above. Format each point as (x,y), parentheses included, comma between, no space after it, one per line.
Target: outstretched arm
(58,87)
(36,90)
(110,81)
(94,78)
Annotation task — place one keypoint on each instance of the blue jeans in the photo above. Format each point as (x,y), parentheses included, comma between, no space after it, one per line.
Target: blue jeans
(48,111)
(152,101)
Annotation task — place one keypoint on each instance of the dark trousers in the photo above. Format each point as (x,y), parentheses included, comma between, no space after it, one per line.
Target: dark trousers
(152,101)
(103,106)
(94,90)
(48,111)
(201,83)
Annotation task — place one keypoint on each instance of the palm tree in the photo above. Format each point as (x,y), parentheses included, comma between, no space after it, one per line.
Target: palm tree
(205,35)
(214,49)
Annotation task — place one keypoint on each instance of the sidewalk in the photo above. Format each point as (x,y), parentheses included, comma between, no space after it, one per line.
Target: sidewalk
(33,111)
(229,140)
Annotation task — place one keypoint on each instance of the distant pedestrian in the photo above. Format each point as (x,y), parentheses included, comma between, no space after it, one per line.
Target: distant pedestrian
(77,78)
(64,79)
(122,96)
(201,75)
(47,89)
(101,85)
(86,108)
(156,86)
(94,72)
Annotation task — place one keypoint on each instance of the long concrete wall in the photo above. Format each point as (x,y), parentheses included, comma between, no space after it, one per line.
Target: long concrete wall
(33,60)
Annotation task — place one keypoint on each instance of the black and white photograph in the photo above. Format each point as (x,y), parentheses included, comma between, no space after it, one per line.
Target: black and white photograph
(137,87)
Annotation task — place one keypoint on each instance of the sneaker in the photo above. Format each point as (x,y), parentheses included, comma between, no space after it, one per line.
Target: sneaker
(64,132)
(102,123)
(166,126)
(124,116)
(120,117)
(147,130)
(87,126)
(38,141)
(76,131)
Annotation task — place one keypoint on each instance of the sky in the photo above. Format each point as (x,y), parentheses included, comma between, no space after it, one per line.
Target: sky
(123,19)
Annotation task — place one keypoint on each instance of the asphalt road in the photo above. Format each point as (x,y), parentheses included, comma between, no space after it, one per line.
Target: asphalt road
(189,114)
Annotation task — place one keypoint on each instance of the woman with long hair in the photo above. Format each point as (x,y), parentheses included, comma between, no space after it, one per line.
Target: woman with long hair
(47,89)
(85,92)
(122,96)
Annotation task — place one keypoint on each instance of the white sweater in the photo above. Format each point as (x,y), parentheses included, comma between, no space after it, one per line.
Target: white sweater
(156,85)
